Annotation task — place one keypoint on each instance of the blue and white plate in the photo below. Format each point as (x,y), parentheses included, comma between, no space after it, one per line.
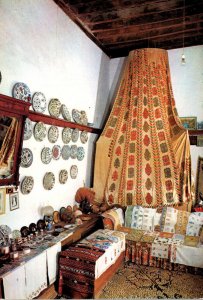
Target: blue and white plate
(22,92)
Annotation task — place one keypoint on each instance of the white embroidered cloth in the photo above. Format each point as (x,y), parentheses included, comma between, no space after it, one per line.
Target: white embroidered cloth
(186,255)
(36,275)
(52,259)
(13,279)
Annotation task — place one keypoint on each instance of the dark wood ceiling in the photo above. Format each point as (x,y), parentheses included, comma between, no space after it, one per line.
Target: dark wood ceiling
(118,26)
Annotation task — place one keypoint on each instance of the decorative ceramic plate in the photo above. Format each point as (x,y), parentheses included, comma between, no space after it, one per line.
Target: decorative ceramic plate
(65,152)
(48,181)
(75,135)
(5,230)
(24,231)
(40,131)
(73,171)
(73,151)
(16,234)
(56,217)
(83,117)
(26,158)
(53,134)
(22,92)
(63,176)
(56,152)
(65,113)
(46,155)
(66,135)
(39,102)
(54,107)
(27,129)
(80,153)
(62,210)
(84,137)
(76,115)
(27,185)
(41,224)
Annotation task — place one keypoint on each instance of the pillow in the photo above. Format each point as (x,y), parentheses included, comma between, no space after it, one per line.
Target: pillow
(182,220)
(137,217)
(168,219)
(156,221)
(195,222)
(148,218)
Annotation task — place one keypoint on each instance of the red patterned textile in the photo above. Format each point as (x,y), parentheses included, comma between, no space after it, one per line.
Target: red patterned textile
(143,154)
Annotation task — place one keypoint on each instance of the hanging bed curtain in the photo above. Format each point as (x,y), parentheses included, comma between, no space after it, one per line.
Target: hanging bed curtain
(143,153)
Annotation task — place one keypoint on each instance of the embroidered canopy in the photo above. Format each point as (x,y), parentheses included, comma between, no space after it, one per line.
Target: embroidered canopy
(143,153)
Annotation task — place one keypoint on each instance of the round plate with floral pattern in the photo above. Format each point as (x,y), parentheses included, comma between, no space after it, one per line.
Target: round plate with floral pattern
(84,137)
(46,155)
(63,176)
(5,230)
(80,153)
(27,129)
(76,115)
(54,107)
(56,152)
(26,158)
(40,131)
(66,135)
(73,171)
(48,180)
(73,151)
(53,134)
(75,135)
(27,185)
(65,113)
(16,234)
(22,92)
(65,152)
(83,117)
(39,102)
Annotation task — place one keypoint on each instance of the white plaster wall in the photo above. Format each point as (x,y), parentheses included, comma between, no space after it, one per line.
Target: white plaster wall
(42,47)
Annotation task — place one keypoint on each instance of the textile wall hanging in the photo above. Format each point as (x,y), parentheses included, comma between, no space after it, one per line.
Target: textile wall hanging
(143,153)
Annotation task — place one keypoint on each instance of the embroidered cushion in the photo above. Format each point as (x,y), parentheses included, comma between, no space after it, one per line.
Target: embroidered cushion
(168,219)
(195,222)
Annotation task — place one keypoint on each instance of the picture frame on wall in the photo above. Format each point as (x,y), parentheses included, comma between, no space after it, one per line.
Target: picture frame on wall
(190,123)
(200,141)
(199,181)
(2,201)
(14,201)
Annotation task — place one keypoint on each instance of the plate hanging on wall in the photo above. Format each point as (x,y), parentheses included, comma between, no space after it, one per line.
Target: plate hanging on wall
(65,152)
(22,92)
(27,185)
(39,102)
(46,155)
(84,137)
(53,134)
(65,113)
(73,171)
(27,129)
(83,117)
(73,151)
(66,135)
(76,115)
(63,176)
(26,158)
(80,153)
(40,131)
(56,152)
(48,181)
(54,107)
(75,135)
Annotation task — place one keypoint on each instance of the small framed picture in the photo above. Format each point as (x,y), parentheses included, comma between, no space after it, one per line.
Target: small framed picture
(200,141)
(14,201)
(2,201)
(189,123)
(200,125)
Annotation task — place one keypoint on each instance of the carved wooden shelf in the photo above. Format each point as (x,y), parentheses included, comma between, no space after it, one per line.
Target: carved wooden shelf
(38,117)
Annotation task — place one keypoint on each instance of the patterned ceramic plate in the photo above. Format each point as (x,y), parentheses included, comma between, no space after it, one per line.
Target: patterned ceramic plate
(75,135)
(48,181)
(54,107)
(65,152)
(73,171)
(84,137)
(40,131)
(16,234)
(63,176)
(26,158)
(22,92)
(76,115)
(65,113)
(80,153)
(56,152)
(83,117)
(73,151)
(53,134)
(27,185)
(5,230)
(66,135)
(39,102)
(27,129)
(46,155)
(56,217)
